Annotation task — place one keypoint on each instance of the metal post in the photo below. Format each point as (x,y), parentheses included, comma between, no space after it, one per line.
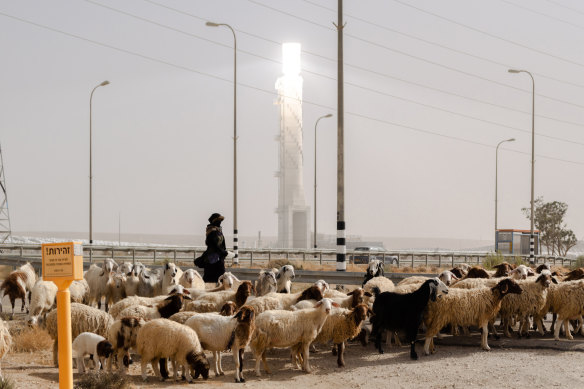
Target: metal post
(251,258)
(133,256)
(341,241)
(412,260)
(91,164)
(154,256)
(439,260)
(426,259)
(174,256)
(320,257)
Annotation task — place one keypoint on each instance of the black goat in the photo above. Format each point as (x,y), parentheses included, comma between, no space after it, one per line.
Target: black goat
(395,312)
(375,269)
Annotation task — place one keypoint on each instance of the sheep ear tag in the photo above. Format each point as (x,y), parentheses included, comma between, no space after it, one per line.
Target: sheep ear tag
(336,305)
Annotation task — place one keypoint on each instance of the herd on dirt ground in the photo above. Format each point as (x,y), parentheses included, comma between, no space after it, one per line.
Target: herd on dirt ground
(170,316)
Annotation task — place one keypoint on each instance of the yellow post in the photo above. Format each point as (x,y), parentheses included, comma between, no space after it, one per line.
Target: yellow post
(64,332)
(63,263)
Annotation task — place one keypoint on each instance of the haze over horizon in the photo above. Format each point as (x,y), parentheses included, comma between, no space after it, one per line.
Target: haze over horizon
(427,99)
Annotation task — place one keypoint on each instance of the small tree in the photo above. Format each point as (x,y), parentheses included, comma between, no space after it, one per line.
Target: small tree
(549,220)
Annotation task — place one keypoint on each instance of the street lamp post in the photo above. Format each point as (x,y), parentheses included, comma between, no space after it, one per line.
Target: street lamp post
(315,126)
(235,237)
(496,177)
(531,236)
(91,165)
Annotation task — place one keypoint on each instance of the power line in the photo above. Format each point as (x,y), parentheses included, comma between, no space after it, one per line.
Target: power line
(542,14)
(420,58)
(565,6)
(466,53)
(489,34)
(372,71)
(152,59)
(331,78)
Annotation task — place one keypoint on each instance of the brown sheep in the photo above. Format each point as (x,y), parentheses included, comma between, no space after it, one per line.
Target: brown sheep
(477,272)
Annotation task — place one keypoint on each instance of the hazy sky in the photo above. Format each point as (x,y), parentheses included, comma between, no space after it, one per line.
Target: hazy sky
(427,98)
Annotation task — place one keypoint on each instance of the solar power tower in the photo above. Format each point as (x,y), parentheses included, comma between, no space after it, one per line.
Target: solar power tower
(5,231)
(293,213)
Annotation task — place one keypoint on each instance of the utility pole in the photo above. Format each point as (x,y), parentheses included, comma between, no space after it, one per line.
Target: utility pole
(5,231)
(341,241)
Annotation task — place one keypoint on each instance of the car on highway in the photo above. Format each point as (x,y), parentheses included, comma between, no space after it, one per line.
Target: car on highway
(364,254)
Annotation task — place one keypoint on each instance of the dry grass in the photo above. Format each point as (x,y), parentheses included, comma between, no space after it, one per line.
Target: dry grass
(98,380)
(7,383)
(27,339)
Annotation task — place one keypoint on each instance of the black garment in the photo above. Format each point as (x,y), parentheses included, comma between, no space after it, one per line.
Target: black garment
(213,259)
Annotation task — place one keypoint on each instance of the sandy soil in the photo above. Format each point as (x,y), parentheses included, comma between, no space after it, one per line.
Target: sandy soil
(460,366)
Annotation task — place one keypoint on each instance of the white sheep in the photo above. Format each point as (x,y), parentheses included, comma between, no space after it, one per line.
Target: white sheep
(340,326)
(569,305)
(323,286)
(122,335)
(146,301)
(97,278)
(115,289)
(529,303)
(212,302)
(149,284)
(83,319)
(466,307)
(42,300)
(170,276)
(163,338)
(218,333)
(284,329)
(384,284)
(191,279)
(96,346)
(5,341)
(163,309)
(125,268)
(284,300)
(79,291)
(18,283)
(266,282)
(284,277)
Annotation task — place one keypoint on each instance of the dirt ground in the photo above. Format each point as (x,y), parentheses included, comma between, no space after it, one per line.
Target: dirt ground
(457,363)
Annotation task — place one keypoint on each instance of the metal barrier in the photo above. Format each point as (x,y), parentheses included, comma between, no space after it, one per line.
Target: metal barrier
(185,256)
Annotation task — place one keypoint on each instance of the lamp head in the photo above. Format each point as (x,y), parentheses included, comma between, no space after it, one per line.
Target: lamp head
(106,82)
(211,24)
(513,71)
(511,140)
(328,115)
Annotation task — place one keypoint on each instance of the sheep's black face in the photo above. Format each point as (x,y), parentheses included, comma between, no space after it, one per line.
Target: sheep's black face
(104,349)
(199,364)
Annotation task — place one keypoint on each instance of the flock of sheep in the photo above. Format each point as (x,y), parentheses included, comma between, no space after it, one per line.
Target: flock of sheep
(171,317)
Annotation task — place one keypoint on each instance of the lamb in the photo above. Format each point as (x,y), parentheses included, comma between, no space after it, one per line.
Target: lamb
(192,279)
(17,285)
(446,276)
(394,312)
(163,309)
(83,319)
(467,307)
(122,335)
(5,341)
(530,302)
(374,269)
(79,291)
(353,298)
(284,277)
(43,296)
(322,285)
(283,300)
(384,284)
(212,302)
(283,329)
(96,346)
(521,272)
(340,325)
(163,338)
(266,282)
(217,333)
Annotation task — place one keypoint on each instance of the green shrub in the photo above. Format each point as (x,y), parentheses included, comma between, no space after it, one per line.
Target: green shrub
(578,263)
(493,259)
(518,260)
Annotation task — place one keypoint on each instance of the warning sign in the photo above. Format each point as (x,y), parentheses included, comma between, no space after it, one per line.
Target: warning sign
(62,261)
